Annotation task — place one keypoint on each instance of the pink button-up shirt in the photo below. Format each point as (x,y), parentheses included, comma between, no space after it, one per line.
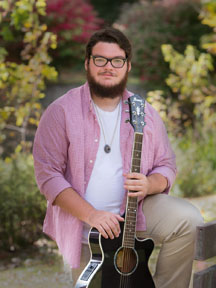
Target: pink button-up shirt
(65,148)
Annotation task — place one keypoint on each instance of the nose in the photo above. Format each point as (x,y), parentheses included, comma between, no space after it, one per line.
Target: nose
(108,64)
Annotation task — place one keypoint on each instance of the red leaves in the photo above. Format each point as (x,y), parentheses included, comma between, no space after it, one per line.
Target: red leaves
(77,17)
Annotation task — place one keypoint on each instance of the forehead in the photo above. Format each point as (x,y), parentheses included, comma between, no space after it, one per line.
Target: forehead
(108,50)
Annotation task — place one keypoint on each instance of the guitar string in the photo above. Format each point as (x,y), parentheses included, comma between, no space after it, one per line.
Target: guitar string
(128,254)
(124,280)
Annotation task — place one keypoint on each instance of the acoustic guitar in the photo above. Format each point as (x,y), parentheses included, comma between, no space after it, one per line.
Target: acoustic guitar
(123,261)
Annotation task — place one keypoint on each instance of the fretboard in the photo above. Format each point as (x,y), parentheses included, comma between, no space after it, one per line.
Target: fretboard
(131,208)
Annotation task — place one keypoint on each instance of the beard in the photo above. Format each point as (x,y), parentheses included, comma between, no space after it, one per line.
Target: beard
(103,91)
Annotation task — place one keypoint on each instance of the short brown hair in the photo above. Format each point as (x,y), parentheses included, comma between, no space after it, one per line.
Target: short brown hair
(109,35)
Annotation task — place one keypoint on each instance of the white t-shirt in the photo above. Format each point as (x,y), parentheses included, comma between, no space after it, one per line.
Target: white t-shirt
(105,189)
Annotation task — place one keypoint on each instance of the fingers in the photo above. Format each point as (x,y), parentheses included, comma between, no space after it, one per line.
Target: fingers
(107,223)
(134,175)
(110,231)
(136,182)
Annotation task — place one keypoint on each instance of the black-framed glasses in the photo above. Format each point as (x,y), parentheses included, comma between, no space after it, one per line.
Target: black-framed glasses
(101,61)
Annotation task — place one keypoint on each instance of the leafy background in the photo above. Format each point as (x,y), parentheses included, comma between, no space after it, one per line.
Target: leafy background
(42,45)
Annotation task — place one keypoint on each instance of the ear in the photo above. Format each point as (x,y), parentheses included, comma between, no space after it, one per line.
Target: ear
(129,66)
(86,64)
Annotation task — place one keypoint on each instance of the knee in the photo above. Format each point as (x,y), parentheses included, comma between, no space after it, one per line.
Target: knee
(190,218)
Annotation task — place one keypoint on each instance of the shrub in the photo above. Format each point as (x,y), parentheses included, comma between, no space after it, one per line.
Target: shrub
(151,24)
(191,82)
(109,10)
(22,82)
(196,161)
(73,21)
(22,207)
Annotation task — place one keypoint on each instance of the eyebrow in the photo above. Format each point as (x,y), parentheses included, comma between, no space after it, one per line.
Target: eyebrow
(115,57)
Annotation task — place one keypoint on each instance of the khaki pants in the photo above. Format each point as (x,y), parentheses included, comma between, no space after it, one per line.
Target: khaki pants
(172,223)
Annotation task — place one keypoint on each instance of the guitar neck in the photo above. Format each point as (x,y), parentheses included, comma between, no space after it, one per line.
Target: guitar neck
(132,202)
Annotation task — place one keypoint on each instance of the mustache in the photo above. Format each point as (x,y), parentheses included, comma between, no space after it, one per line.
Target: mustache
(107,72)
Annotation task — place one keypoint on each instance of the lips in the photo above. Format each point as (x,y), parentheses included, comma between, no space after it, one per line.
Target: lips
(109,74)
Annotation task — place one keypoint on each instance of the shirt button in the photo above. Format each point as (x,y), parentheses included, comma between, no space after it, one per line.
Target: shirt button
(96,140)
(91,161)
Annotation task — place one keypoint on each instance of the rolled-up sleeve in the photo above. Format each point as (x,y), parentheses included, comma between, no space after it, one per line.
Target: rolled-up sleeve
(164,160)
(50,153)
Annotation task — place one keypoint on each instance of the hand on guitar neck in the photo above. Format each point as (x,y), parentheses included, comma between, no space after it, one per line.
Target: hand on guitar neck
(144,185)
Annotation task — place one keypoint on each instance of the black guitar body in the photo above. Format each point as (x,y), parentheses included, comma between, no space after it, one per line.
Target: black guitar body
(106,268)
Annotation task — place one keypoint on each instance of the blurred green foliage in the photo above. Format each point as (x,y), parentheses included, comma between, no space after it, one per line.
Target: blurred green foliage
(25,66)
(149,24)
(196,161)
(22,207)
(109,10)
(191,82)
(22,83)
(208,17)
(190,112)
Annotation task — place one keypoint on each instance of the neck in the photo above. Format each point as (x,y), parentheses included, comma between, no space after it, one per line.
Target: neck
(106,104)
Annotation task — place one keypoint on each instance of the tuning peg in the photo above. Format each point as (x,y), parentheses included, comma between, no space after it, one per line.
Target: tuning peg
(127,120)
(126,102)
(127,111)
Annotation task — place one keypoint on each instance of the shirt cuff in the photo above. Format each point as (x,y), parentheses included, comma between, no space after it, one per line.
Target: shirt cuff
(53,187)
(168,174)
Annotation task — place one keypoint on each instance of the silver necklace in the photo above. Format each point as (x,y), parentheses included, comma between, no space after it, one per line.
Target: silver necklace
(107,147)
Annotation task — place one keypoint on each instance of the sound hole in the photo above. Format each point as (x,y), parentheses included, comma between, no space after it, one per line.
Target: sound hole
(126,260)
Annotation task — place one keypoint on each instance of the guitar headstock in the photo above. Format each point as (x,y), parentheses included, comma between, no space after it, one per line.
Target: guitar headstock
(137,112)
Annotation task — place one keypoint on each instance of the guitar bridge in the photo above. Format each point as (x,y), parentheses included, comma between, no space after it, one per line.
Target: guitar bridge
(89,270)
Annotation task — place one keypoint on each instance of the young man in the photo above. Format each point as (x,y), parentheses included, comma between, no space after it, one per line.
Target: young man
(82,153)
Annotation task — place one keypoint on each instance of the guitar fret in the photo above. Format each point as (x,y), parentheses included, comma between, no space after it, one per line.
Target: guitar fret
(138,146)
(130,238)
(131,211)
(135,169)
(132,206)
(131,218)
(136,166)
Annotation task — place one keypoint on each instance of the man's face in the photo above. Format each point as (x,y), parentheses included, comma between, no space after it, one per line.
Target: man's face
(107,80)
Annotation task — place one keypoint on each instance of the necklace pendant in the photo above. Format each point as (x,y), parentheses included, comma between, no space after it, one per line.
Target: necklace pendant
(107,148)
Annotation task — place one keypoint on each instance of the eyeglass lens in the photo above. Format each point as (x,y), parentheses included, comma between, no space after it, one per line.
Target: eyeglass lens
(116,62)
